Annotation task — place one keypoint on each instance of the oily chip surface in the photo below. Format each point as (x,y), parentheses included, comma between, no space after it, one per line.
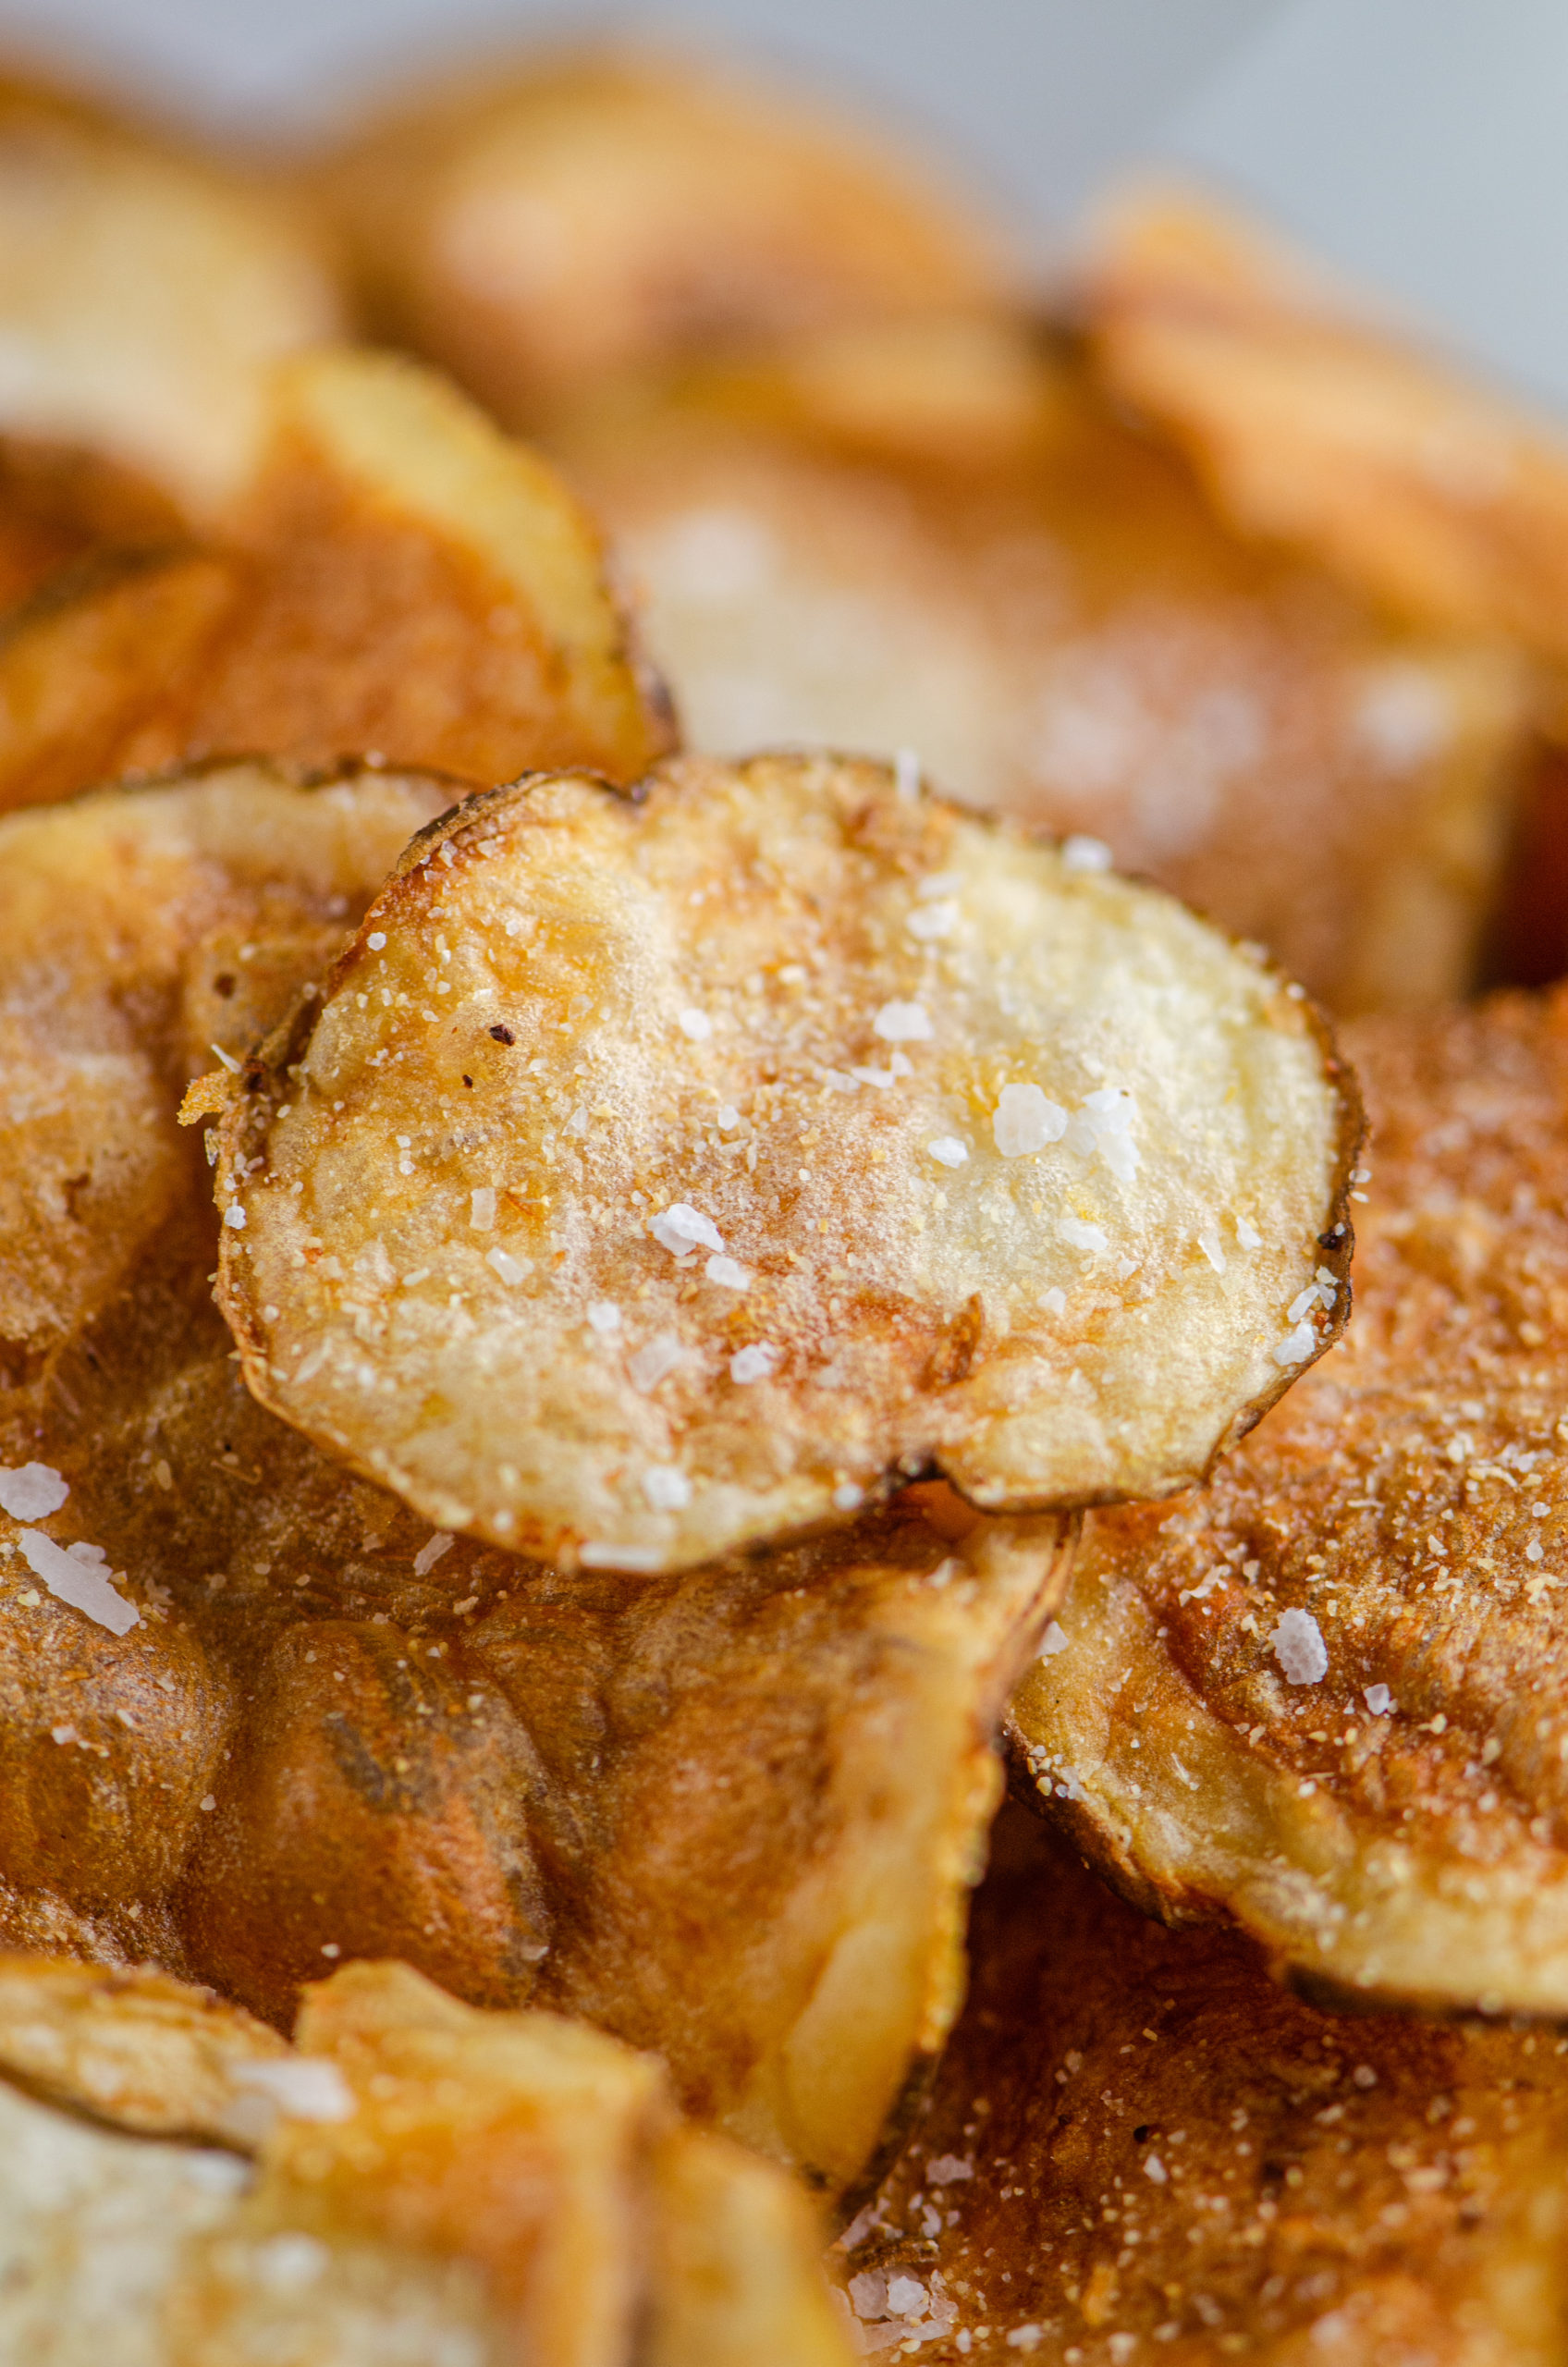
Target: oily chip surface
(1325,1697)
(665,1174)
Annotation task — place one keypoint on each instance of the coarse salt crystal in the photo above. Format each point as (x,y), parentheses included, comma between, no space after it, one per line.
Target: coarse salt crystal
(728,1273)
(930,922)
(695,1024)
(1026,2337)
(1084,1235)
(729,1118)
(431,1551)
(948,1151)
(1054,1640)
(234,1216)
(756,1363)
(1024,1120)
(1054,1301)
(1081,854)
(1247,1234)
(1155,2169)
(482,1207)
(666,1489)
(1212,1248)
(902,1022)
(1297,1644)
(907,2298)
(657,1359)
(1103,1128)
(938,884)
(80,1577)
(376,939)
(906,773)
(1296,1345)
(947,2169)
(32,1490)
(1379,1700)
(605,1318)
(511,1270)
(847,1497)
(680,1229)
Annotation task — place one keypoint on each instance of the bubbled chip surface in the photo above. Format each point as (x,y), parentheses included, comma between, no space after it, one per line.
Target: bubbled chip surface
(658,1175)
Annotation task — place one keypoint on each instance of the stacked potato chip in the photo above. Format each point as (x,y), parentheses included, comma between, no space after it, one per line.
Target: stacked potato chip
(700,1297)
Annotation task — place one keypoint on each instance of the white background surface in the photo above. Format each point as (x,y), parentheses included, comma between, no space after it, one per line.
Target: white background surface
(1422,145)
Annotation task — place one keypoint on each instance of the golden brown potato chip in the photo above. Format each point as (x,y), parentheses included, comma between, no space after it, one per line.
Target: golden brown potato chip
(401,581)
(952,543)
(85,660)
(1139,2148)
(144,297)
(732,1816)
(122,918)
(1314,426)
(432,2187)
(1325,1697)
(661,1175)
(539,230)
(136,2048)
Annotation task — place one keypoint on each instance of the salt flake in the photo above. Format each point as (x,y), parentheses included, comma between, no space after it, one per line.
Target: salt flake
(680,1229)
(695,1024)
(80,1577)
(902,1022)
(430,1552)
(32,1490)
(1080,853)
(666,1489)
(1024,1120)
(1379,1700)
(1054,1640)
(1297,1644)
(948,1151)
(756,1363)
(728,1273)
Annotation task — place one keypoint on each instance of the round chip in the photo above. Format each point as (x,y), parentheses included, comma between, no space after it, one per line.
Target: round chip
(1324,1697)
(652,1180)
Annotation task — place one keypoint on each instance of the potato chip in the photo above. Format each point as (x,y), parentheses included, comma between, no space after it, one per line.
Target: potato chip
(662,1175)
(1316,428)
(543,228)
(952,542)
(124,919)
(401,581)
(731,1817)
(144,297)
(430,2187)
(1139,2148)
(1324,1697)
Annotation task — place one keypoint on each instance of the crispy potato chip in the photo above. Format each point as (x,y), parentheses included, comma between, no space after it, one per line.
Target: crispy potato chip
(129,926)
(401,581)
(662,1175)
(434,2187)
(731,1817)
(1314,426)
(144,296)
(136,2048)
(98,647)
(949,541)
(543,229)
(1325,1697)
(1139,2148)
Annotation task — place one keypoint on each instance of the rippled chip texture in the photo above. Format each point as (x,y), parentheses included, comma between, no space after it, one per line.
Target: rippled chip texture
(394,579)
(1325,1695)
(661,1175)
(1139,2148)
(949,538)
(138,932)
(145,298)
(1317,429)
(429,2187)
(591,215)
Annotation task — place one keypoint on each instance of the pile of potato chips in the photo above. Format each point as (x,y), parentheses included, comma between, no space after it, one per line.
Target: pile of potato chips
(641,1232)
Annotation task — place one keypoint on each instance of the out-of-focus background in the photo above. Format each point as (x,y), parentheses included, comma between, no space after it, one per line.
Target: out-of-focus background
(1417,145)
